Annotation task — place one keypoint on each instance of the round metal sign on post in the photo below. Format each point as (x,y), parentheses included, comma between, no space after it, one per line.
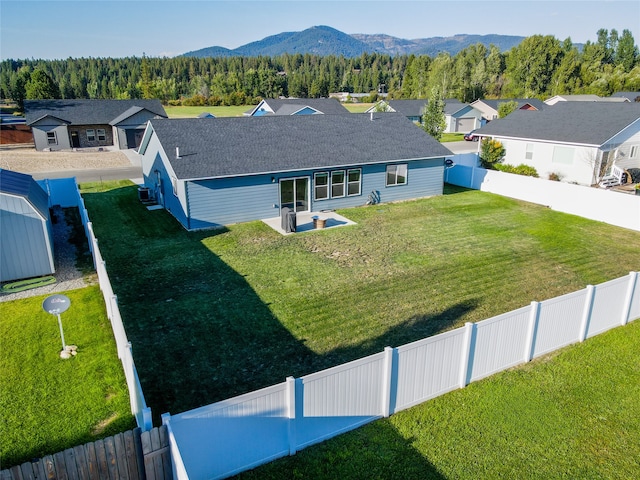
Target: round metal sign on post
(55,305)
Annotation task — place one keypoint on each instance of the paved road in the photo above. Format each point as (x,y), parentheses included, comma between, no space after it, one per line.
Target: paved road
(94,175)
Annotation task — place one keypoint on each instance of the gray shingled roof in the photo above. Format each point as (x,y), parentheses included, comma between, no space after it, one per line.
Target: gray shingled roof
(88,112)
(223,147)
(408,108)
(631,96)
(534,102)
(584,123)
(23,185)
(288,106)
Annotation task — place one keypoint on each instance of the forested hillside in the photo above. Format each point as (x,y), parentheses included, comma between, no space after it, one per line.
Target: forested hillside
(540,66)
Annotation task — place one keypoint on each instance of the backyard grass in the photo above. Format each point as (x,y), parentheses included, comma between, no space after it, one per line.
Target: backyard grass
(237,111)
(193,112)
(217,313)
(49,404)
(572,414)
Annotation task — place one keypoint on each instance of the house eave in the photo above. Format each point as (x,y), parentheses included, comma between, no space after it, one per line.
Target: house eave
(324,167)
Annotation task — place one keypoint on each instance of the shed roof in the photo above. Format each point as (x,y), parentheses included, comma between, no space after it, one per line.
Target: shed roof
(23,185)
(89,112)
(223,147)
(584,123)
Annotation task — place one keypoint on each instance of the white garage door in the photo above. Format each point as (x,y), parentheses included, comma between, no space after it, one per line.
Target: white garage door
(465,125)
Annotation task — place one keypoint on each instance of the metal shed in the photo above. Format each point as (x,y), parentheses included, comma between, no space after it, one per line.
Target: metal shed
(26,240)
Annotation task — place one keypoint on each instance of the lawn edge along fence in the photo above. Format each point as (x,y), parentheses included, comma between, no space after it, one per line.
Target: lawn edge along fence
(65,192)
(234,435)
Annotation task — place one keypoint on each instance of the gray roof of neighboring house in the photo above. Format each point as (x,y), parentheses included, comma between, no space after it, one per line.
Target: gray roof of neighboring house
(288,106)
(222,147)
(89,112)
(631,96)
(415,107)
(585,123)
(408,108)
(495,103)
(23,185)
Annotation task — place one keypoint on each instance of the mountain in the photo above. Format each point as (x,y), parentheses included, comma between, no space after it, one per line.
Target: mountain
(323,40)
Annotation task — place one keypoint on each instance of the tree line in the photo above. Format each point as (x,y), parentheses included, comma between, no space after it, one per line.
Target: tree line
(539,67)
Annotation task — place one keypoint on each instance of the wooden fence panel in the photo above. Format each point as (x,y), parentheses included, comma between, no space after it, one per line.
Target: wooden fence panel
(130,455)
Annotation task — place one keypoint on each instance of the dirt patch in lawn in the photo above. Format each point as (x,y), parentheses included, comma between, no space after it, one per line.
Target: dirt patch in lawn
(27,159)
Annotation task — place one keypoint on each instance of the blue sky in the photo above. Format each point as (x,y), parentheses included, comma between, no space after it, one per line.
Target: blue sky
(54,29)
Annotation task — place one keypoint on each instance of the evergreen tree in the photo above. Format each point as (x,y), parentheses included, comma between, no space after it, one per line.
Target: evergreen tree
(41,86)
(433,119)
(627,51)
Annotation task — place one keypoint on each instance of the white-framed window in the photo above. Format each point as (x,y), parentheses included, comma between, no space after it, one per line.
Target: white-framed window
(563,155)
(102,135)
(633,153)
(91,135)
(337,183)
(52,139)
(354,181)
(396,174)
(321,186)
(529,152)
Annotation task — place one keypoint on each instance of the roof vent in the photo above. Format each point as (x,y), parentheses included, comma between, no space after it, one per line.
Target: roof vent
(177,153)
(371,114)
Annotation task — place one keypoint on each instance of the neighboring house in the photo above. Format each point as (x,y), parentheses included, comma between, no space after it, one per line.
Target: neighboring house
(583,98)
(25,228)
(346,97)
(490,108)
(630,96)
(215,172)
(578,141)
(206,115)
(297,106)
(66,124)
(459,117)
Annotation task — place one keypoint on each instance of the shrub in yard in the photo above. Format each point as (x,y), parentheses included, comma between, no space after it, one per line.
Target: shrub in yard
(522,169)
(492,152)
(556,177)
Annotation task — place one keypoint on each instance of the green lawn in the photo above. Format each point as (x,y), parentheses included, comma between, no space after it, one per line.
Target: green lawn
(452,137)
(572,414)
(193,112)
(237,111)
(49,404)
(217,313)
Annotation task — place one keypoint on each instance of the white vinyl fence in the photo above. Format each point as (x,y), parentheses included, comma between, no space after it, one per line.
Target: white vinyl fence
(228,437)
(607,206)
(64,192)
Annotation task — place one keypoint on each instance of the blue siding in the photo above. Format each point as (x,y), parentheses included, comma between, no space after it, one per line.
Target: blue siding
(163,193)
(214,203)
(218,202)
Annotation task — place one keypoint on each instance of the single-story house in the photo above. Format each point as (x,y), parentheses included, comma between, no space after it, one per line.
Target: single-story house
(583,98)
(297,106)
(459,117)
(576,141)
(66,124)
(490,108)
(25,228)
(215,172)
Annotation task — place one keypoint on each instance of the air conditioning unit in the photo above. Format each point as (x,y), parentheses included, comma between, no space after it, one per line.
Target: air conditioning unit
(144,194)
